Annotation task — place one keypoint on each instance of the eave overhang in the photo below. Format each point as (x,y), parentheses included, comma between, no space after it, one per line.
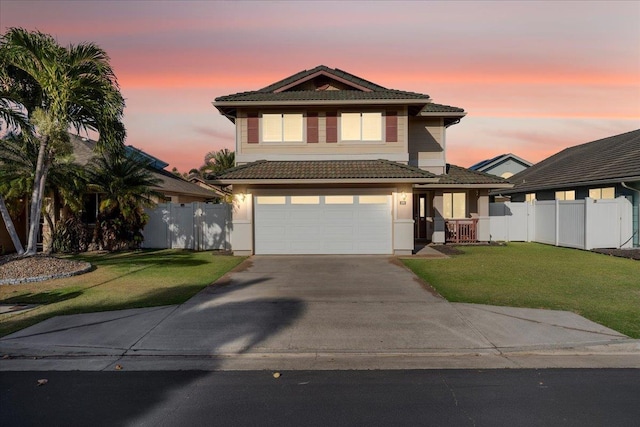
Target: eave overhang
(301,102)
(229,108)
(447,186)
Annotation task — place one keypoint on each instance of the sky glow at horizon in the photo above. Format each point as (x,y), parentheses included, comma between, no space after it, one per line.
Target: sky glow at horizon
(533,77)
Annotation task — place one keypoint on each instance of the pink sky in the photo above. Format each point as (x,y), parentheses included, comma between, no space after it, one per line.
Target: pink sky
(534,77)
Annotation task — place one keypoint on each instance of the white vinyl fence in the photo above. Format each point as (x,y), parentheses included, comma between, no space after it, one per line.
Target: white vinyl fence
(196,226)
(583,224)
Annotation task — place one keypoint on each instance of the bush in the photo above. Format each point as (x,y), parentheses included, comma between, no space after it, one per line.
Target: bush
(115,233)
(71,236)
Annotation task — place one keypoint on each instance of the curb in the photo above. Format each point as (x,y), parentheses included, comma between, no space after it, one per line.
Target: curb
(86,267)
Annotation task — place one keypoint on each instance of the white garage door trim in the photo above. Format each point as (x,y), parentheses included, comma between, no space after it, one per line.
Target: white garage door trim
(323,224)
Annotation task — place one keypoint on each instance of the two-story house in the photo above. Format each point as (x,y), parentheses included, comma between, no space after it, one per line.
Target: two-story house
(330,163)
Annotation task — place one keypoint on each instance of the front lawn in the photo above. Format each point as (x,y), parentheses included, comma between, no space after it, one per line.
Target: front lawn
(601,288)
(120,280)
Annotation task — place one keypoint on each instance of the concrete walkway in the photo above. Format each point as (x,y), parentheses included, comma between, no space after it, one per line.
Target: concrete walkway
(323,312)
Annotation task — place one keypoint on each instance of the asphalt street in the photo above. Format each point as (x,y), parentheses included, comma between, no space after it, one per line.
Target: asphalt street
(568,397)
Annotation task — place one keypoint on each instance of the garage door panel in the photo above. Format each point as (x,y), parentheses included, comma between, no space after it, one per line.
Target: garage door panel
(324,228)
(339,232)
(302,217)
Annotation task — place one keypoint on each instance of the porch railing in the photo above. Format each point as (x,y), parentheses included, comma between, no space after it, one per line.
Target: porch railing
(461,230)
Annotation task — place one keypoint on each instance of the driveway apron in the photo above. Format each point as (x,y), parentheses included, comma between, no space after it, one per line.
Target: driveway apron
(308,304)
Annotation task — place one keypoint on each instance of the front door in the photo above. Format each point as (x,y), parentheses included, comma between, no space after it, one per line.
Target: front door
(420,215)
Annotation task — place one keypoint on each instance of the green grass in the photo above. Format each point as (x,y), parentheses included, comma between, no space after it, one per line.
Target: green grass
(119,281)
(601,288)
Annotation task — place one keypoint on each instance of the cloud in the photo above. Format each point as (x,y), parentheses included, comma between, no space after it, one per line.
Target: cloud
(214,133)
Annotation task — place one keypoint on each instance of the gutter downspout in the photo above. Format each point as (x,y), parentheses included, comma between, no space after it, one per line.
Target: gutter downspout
(637,191)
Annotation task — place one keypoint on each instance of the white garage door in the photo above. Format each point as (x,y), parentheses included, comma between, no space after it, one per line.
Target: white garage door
(323,224)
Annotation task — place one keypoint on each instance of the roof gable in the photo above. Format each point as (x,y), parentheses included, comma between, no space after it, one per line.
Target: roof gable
(294,81)
(323,84)
(498,160)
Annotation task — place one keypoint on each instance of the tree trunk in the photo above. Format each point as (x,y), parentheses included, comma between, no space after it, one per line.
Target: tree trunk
(49,247)
(8,222)
(37,196)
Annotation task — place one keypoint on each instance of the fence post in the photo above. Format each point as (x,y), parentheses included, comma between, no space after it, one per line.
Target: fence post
(557,227)
(196,225)
(587,203)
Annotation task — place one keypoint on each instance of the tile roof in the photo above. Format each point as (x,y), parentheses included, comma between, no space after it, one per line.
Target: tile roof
(351,170)
(322,95)
(432,107)
(459,175)
(336,72)
(276,92)
(612,159)
(325,170)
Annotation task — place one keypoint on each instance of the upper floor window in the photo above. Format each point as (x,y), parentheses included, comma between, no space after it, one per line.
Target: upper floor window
(566,195)
(282,127)
(361,126)
(454,205)
(602,193)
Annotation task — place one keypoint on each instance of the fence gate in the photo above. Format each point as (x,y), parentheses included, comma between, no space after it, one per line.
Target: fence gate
(583,224)
(196,226)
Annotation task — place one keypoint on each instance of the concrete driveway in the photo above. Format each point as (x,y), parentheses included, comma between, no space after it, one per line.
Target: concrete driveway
(313,312)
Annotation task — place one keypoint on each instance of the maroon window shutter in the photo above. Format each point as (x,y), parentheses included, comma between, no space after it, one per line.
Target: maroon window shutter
(253,132)
(392,126)
(332,127)
(312,127)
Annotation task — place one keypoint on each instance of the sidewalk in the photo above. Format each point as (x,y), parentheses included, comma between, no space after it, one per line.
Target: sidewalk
(283,313)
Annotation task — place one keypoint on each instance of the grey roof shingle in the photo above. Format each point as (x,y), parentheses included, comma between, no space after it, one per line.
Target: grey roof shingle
(323,170)
(612,159)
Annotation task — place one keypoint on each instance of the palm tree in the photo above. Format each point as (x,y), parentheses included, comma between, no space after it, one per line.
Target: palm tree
(216,162)
(125,186)
(59,88)
(18,157)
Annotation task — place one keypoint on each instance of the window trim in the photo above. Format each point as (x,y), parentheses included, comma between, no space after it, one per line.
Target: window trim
(303,126)
(564,195)
(601,191)
(453,205)
(382,139)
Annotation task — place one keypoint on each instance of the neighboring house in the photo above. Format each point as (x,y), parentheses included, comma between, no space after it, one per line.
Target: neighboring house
(330,163)
(602,169)
(504,165)
(173,188)
(221,194)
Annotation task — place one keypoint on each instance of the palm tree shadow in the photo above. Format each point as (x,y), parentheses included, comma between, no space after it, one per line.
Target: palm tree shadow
(222,319)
